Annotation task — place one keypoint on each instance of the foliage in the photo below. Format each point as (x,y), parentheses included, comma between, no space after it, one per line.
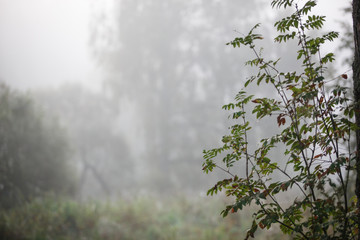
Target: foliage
(33,151)
(315,129)
(126,220)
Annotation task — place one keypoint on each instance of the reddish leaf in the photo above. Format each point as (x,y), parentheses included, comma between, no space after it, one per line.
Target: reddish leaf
(261,225)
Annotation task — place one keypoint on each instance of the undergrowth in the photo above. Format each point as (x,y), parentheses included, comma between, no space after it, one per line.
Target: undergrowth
(141,218)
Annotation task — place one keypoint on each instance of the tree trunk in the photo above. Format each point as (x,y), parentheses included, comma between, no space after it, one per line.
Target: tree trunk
(356,78)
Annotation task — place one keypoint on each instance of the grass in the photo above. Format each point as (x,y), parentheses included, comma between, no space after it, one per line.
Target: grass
(141,218)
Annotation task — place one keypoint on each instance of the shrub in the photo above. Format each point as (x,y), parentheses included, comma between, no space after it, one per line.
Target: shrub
(315,128)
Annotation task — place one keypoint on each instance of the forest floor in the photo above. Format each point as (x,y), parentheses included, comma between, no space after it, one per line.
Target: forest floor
(141,218)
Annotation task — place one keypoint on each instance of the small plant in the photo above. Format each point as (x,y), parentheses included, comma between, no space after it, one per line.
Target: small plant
(315,128)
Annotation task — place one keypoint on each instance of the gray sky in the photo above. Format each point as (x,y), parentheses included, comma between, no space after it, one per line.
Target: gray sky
(45,42)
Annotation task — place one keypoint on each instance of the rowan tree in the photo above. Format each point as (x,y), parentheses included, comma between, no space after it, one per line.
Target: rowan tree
(316,125)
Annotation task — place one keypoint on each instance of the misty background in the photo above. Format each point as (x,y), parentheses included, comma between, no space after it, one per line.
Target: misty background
(135,87)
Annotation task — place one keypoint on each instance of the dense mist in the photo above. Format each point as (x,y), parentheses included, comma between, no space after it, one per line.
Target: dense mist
(127,110)
(166,72)
(163,72)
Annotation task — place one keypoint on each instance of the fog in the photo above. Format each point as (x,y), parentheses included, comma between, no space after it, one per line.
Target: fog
(135,87)
(49,39)
(160,70)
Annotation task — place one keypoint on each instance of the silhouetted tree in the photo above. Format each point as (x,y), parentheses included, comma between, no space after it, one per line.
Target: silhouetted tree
(33,151)
(102,157)
(169,60)
(356,77)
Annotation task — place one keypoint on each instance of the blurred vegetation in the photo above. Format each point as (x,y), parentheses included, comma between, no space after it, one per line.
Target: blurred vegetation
(33,151)
(104,162)
(142,218)
(171,100)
